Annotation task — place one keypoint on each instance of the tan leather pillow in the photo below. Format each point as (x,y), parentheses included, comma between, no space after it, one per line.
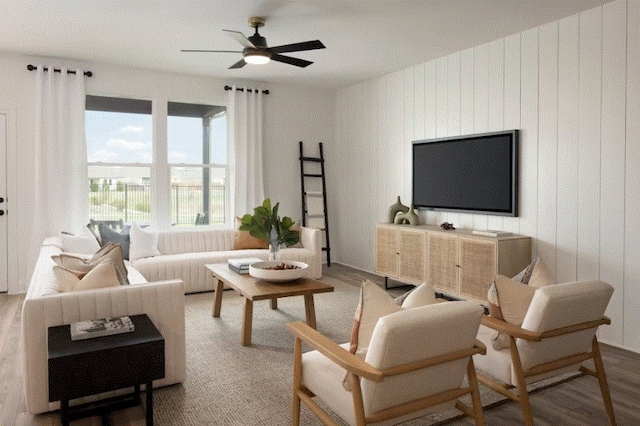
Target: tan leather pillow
(104,274)
(244,240)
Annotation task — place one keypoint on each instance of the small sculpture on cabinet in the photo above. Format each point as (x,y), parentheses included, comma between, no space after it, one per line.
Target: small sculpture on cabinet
(409,217)
(396,208)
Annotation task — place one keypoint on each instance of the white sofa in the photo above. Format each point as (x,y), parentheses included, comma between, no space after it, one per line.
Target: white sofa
(162,301)
(184,254)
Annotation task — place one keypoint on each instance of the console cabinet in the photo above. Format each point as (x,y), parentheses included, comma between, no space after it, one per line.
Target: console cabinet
(458,263)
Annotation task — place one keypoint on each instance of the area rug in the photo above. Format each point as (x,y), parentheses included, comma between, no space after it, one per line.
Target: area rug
(228,384)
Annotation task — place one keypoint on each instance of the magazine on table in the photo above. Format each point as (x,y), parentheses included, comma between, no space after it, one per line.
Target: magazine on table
(101,327)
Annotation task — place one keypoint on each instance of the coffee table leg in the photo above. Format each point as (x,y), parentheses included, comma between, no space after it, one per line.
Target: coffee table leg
(247,321)
(310,310)
(217,300)
(274,303)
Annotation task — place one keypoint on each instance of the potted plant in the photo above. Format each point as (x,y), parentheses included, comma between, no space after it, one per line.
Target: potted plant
(268,226)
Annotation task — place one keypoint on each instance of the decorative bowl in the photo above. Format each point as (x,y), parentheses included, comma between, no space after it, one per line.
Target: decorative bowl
(265,271)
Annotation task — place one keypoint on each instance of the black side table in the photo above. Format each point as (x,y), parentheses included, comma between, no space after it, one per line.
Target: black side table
(101,364)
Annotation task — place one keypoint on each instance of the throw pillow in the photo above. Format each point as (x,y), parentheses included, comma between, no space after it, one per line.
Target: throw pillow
(108,235)
(83,243)
(244,240)
(509,301)
(144,243)
(103,275)
(82,266)
(417,296)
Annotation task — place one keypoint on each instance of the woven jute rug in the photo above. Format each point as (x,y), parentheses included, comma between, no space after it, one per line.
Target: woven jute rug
(228,384)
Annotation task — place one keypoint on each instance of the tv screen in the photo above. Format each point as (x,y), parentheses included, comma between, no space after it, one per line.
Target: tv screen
(473,174)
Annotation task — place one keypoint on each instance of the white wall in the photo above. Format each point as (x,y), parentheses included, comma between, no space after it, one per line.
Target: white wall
(291,114)
(572,88)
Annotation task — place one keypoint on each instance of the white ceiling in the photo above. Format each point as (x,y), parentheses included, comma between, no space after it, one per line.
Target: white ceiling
(363,38)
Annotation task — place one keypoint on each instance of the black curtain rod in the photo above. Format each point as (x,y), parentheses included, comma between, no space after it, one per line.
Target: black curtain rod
(33,67)
(242,89)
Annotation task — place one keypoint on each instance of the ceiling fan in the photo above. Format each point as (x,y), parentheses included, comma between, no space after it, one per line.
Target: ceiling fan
(255,49)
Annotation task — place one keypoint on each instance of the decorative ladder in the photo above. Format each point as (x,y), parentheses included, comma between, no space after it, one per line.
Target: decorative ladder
(314,201)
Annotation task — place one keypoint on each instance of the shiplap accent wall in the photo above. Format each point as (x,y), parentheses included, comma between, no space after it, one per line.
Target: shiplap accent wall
(572,88)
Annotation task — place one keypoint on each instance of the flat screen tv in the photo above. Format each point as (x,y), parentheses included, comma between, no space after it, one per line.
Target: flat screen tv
(473,174)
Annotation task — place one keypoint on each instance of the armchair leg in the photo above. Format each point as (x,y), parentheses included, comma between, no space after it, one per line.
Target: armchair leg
(297,381)
(521,385)
(478,415)
(602,379)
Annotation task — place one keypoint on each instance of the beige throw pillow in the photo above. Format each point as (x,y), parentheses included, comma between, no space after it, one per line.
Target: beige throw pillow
(102,275)
(81,266)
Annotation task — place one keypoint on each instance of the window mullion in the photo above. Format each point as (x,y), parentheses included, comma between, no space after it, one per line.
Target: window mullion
(160,173)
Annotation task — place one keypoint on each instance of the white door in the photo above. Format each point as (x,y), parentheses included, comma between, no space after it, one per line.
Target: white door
(3,203)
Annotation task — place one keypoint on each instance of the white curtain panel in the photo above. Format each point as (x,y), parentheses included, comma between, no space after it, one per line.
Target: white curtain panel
(246,171)
(61,181)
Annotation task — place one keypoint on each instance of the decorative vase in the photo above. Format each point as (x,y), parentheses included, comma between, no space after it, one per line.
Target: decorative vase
(274,245)
(396,208)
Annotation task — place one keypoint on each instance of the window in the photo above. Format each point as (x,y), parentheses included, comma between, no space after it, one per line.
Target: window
(120,152)
(197,157)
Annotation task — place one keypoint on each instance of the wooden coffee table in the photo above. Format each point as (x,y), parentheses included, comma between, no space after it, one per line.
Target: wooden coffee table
(253,289)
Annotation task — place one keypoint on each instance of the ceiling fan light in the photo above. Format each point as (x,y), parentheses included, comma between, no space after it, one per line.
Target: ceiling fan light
(257,57)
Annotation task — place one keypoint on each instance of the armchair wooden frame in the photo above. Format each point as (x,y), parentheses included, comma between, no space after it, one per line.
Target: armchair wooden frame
(361,369)
(515,332)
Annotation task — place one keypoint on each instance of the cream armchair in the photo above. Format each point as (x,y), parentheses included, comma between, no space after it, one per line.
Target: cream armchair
(557,335)
(415,364)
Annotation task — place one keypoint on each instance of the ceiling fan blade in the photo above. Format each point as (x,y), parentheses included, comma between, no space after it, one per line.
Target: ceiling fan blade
(209,51)
(297,47)
(241,63)
(291,61)
(240,38)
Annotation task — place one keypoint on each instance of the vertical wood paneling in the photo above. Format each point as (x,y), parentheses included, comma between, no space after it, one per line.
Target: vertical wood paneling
(454,108)
(529,136)
(430,116)
(568,69)
(512,105)
(631,318)
(419,103)
(495,104)
(408,126)
(613,160)
(466,112)
(480,107)
(548,145)
(589,100)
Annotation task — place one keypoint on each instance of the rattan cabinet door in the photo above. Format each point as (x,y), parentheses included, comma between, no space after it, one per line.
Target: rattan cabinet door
(477,267)
(386,251)
(412,246)
(443,262)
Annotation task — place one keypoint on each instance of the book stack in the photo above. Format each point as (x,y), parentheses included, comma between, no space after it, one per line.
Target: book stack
(241,266)
(101,327)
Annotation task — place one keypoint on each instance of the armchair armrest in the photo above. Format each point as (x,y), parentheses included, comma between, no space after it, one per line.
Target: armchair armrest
(518,332)
(510,329)
(334,352)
